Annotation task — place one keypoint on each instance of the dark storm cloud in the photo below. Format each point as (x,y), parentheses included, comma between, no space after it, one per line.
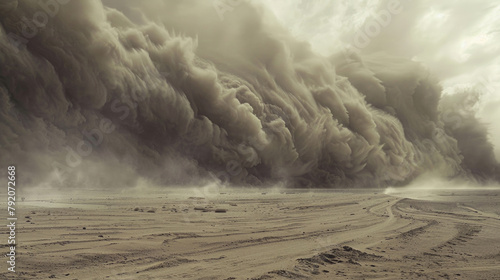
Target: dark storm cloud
(166,90)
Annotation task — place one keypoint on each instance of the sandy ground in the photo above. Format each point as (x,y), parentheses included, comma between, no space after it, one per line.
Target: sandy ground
(291,234)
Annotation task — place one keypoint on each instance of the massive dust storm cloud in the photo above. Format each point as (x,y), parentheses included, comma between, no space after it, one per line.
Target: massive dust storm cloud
(107,94)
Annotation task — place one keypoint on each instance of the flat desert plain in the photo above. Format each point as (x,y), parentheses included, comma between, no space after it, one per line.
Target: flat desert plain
(258,234)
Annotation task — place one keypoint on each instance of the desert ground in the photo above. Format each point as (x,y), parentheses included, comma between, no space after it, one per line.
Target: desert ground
(227,234)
